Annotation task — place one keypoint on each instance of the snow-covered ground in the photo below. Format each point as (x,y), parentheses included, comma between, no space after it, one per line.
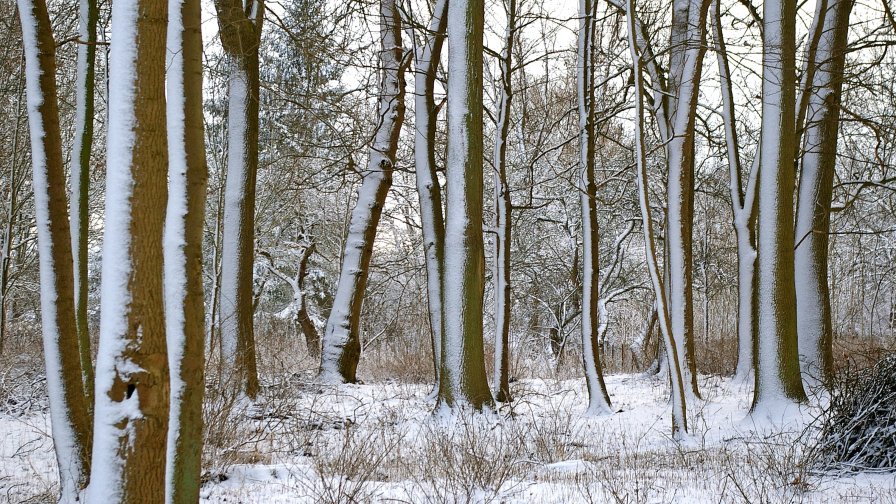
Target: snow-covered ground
(380,443)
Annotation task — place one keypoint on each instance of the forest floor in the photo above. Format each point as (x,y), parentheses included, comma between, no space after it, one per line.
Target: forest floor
(381,443)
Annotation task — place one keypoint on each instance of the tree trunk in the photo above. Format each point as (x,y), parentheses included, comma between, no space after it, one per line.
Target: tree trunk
(503,208)
(132,384)
(679,402)
(776,359)
(312,337)
(185,221)
(69,412)
(341,341)
(462,381)
(240,35)
(813,214)
(80,179)
(598,398)
(427,59)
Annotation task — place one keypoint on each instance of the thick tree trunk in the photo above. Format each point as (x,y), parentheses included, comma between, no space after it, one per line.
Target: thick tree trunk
(429,191)
(813,217)
(185,221)
(69,411)
(80,178)
(598,398)
(240,31)
(776,358)
(462,381)
(503,208)
(132,381)
(341,341)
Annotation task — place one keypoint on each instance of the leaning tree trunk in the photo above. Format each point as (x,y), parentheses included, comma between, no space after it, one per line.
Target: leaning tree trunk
(813,214)
(503,208)
(341,341)
(80,178)
(240,31)
(679,394)
(429,191)
(132,382)
(185,220)
(598,398)
(776,359)
(69,412)
(463,382)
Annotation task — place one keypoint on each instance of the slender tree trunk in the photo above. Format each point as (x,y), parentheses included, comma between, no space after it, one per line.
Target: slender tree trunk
(776,359)
(185,221)
(679,402)
(69,412)
(132,385)
(598,398)
(240,31)
(688,42)
(341,341)
(503,208)
(744,209)
(429,191)
(813,218)
(463,382)
(312,337)
(80,178)
(12,211)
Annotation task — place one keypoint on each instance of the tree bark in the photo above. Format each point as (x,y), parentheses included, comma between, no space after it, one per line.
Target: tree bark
(69,412)
(462,381)
(427,59)
(776,358)
(185,221)
(813,214)
(341,341)
(598,398)
(80,179)
(240,28)
(131,421)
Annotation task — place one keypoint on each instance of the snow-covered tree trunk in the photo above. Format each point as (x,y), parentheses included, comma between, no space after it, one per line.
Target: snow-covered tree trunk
(743,205)
(598,398)
(776,363)
(688,45)
(184,225)
(80,177)
(679,394)
(813,214)
(462,381)
(69,412)
(132,382)
(503,208)
(426,63)
(240,28)
(341,340)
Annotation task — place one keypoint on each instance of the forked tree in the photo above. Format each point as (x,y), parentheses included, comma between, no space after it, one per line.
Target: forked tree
(132,382)
(341,340)
(68,401)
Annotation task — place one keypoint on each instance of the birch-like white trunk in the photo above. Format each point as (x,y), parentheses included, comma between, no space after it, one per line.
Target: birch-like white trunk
(341,339)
